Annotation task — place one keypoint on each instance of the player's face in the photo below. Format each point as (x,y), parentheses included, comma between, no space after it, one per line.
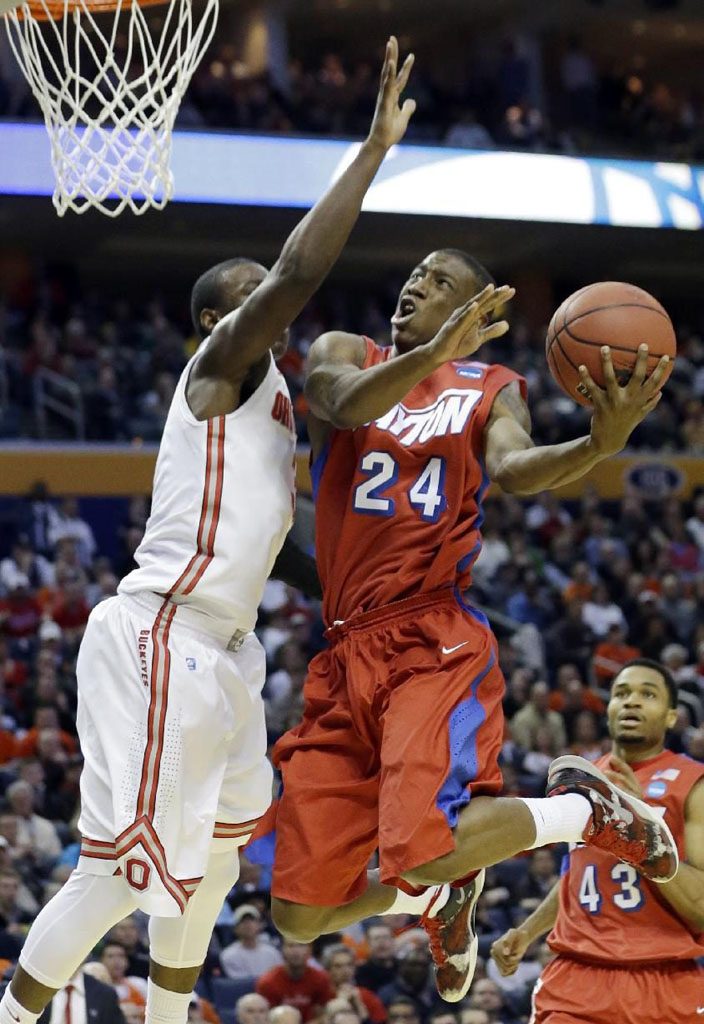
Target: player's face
(241,281)
(639,711)
(434,290)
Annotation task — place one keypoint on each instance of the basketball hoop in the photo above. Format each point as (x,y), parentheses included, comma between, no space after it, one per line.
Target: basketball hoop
(109,76)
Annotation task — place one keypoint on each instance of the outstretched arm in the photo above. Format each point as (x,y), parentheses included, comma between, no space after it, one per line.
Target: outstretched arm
(242,337)
(518,466)
(341,393)
(508,950)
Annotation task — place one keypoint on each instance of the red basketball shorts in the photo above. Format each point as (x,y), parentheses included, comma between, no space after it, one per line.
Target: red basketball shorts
(402,724)
(572,992)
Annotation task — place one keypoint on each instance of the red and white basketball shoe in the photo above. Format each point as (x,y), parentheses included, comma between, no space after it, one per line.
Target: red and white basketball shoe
(620,823)
(453,939)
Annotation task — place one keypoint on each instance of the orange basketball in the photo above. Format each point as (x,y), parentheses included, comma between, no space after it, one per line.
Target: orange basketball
(606,313)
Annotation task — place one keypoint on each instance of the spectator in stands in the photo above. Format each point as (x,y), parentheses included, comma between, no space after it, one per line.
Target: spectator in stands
(200,1011)
(20,611)
(34,832)
(467,133)
(600,612)
(46,716)
(579,81)
(585,738)
(25,561)
(69,524)
(572,697)
(612,654)
(296,982)
(71,610)
(84,998)
(13,919)
(570,639)
(37,516)
(540,879)
(249,955)
(403,1011)
(442,1016)
(695,523)
(380,967)
(529,604)
(581,585)
(537,715)
(339,961)
(127,934)
(412,982)
(129,988)
(253,1009)
(486,995)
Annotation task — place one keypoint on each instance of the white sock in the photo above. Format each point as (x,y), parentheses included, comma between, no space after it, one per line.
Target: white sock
(165,1007)
(558,819)
(11,1011)
(417,905)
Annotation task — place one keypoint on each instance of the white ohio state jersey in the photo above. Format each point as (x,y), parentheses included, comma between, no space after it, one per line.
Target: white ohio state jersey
(222,504)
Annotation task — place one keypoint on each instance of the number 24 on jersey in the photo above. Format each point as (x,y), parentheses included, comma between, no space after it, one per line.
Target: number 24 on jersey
(425,495)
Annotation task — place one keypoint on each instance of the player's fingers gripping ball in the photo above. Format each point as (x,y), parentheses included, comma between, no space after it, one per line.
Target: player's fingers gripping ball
(608,313)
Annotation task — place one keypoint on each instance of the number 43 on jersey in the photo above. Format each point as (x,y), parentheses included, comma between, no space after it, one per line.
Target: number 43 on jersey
(426,494)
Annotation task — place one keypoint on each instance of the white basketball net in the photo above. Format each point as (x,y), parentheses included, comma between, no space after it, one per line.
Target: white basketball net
(110,85)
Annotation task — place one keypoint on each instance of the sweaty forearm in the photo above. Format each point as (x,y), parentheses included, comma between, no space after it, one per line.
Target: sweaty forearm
(542,468)
(685,894)
(355,397)
(314,246)
(543,917)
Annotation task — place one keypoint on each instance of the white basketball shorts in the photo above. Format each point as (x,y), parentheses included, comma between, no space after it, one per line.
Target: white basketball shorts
(172,730)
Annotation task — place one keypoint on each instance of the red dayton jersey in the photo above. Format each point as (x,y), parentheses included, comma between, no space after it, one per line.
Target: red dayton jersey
(607,911)
(399,500)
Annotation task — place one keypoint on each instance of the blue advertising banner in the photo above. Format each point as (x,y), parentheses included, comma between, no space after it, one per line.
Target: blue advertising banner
(245,170)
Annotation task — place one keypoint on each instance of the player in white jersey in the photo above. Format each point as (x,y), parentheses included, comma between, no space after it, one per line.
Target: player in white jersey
(170,715)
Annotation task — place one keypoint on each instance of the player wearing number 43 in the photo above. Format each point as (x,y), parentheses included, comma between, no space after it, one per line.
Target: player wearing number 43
(625,949)
(403,721)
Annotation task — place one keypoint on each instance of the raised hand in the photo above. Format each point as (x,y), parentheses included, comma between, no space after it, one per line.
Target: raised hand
(619,410)
(390,118)
(508,951)
(468,328)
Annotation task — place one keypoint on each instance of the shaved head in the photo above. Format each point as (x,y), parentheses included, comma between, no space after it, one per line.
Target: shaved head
(217,289)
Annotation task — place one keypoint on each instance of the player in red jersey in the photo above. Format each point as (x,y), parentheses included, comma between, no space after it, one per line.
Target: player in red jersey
(626,949)
(403,725)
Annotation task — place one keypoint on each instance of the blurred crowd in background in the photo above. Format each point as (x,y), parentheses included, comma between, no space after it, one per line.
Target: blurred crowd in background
(123,360)
(584,105)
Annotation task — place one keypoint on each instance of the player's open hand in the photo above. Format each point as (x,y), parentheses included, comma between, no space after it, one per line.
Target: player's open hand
(470,327)
(623,776)
(508,951)
(618,410)
(390,117)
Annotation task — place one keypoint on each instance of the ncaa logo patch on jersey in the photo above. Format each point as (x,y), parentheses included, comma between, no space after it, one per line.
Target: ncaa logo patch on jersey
(191,664)
(656,789)
(470,372)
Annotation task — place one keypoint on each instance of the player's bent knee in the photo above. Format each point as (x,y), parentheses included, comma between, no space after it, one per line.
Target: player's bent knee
(435,872)
(296,922)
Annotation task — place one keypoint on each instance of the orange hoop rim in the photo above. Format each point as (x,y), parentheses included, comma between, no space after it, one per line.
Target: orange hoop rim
(55,10)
